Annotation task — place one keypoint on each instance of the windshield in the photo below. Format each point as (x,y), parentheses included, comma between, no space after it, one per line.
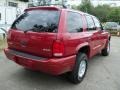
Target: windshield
(112,24)
(38,21)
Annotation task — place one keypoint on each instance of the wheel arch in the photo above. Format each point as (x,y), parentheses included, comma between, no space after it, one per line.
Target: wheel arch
(84,48)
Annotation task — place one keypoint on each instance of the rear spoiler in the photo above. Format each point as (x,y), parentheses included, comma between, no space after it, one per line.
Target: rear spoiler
(43,8)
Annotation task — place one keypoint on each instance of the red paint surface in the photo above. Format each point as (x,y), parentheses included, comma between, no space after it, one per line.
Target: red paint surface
(72,43)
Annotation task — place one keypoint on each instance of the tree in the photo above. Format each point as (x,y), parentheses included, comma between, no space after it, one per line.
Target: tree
(114,15)
(86,6)
(102,12)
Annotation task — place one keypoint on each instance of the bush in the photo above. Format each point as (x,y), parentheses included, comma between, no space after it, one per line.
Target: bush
(104,12)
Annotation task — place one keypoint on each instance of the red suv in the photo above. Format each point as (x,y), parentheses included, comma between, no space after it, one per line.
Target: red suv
(56,41)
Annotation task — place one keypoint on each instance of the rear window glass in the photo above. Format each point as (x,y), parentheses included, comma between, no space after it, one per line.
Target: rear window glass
(38,21)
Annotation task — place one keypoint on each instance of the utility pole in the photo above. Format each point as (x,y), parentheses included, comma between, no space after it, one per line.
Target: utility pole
(62,2)
(5,12)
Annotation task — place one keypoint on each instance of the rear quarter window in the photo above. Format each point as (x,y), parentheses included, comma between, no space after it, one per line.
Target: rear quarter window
(38,21)
(98,25)
(90,23)
(74,22)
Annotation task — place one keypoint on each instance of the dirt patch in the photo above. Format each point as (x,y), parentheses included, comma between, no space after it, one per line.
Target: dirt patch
(3,44)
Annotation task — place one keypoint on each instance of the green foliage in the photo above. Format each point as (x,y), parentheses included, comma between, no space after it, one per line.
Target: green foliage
(103,12)
(86,6)
(114,15)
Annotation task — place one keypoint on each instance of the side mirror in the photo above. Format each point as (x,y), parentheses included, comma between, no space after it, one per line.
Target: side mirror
(104,28)
(99,28)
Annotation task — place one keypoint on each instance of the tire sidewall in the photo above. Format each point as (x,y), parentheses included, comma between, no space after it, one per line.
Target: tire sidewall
(108,46)
(79,58)
(105,51)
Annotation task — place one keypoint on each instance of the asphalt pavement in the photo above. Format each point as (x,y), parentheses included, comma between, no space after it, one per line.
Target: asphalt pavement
(103,74)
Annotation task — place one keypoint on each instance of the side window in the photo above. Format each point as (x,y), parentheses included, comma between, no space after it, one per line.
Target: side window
(90,23)
(74,22)
(12,4)
(97,23)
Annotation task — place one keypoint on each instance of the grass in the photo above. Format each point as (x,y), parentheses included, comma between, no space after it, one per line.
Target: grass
(3,44)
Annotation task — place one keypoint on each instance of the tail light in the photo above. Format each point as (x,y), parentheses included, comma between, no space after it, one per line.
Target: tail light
(58,48)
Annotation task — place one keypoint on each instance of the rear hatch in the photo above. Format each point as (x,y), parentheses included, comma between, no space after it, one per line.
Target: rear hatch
(34,32)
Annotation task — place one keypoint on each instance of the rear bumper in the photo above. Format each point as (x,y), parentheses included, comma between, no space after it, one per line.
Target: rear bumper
(54,66)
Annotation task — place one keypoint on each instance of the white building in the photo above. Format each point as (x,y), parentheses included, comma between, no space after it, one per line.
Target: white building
(10,9)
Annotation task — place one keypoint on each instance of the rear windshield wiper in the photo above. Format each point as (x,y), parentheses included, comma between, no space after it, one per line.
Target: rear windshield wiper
(28,30)
(35,29)
(41,28)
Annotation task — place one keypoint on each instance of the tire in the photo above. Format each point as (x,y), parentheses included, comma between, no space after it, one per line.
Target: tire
(75,76)
(106,50)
